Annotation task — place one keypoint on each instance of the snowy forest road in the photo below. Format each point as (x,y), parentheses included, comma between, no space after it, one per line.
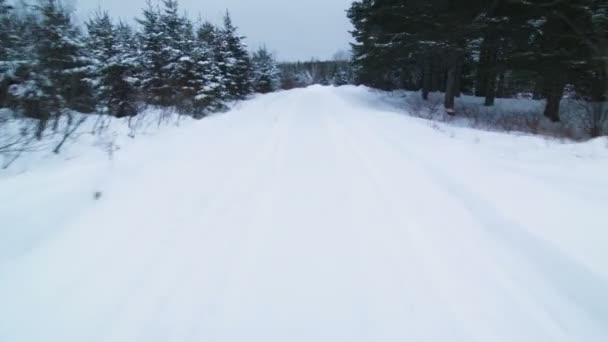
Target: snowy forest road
(318,214)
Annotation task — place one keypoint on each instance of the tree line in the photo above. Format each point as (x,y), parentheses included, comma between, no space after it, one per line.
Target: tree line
(489,48)
(50,67)
(336,72)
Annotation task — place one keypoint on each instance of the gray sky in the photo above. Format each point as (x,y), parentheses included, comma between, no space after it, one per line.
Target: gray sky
(293,29)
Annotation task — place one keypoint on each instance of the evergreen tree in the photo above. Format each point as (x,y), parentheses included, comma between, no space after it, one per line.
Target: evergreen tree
(62,58)
(441,43)
(152,57)
(211,91)
(266,73)
(52,75)
(6,50)
(6,30)
(214,38)
(340,77)
(114,65)
(237,63)
(178,44)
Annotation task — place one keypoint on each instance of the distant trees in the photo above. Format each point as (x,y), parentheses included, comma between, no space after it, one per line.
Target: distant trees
(302,74)
(489,48)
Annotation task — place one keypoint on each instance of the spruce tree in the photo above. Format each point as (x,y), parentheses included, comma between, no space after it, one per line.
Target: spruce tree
(211,91)
(340,77)
(177,40)
(215,39)
(62,57)
(53,74)
(152,58)
(6,51)
(114,65)
(237,62)
(266,74)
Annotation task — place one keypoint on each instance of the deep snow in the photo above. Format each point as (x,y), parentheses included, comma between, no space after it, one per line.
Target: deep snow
(318,214)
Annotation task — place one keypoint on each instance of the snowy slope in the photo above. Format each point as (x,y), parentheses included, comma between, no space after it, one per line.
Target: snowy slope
(317,214)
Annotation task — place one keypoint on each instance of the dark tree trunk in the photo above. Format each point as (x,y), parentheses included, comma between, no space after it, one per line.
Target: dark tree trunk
(500,88)
(538,91)
(427,79)
(491,92)
(458,85)
(481,81)
(597,124)
(552,108)
(599,96)
(555,91)
(491,69)
(454,73)
(437,78)
(450,92)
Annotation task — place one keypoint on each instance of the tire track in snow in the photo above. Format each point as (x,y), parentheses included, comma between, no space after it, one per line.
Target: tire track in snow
(581,286)
(404,256)
(424,237)
(511,279)
(164,242)
(237,189)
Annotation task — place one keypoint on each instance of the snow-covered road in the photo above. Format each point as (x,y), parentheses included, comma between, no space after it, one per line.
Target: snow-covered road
(311,215)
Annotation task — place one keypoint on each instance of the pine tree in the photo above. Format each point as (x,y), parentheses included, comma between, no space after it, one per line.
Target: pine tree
(451,45)
(28,89)
(178,43)
(266,73)
(114,65)
(152,58)
(213,37)
(6,32)
(237,63)
(53,74)
(340,77)
(6,51)
(558,49)
(62,57)
(211,91)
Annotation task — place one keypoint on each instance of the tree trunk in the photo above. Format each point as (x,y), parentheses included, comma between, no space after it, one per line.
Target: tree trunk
(491,92)
(458,85)
(552,108)
(427,79)
(598,119)
(454,73)
(555,92)
(599,96)
(481,81)
(450,92)
(500,88)
(437,78)
(538,91)
(491,69)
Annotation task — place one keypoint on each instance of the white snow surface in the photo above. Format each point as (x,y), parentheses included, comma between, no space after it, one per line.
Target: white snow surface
(317,214)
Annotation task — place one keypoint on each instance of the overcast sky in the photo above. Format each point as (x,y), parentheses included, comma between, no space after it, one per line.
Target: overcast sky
(293,29)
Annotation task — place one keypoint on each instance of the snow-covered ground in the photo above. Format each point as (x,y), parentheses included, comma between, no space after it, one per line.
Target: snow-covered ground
(318,214)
